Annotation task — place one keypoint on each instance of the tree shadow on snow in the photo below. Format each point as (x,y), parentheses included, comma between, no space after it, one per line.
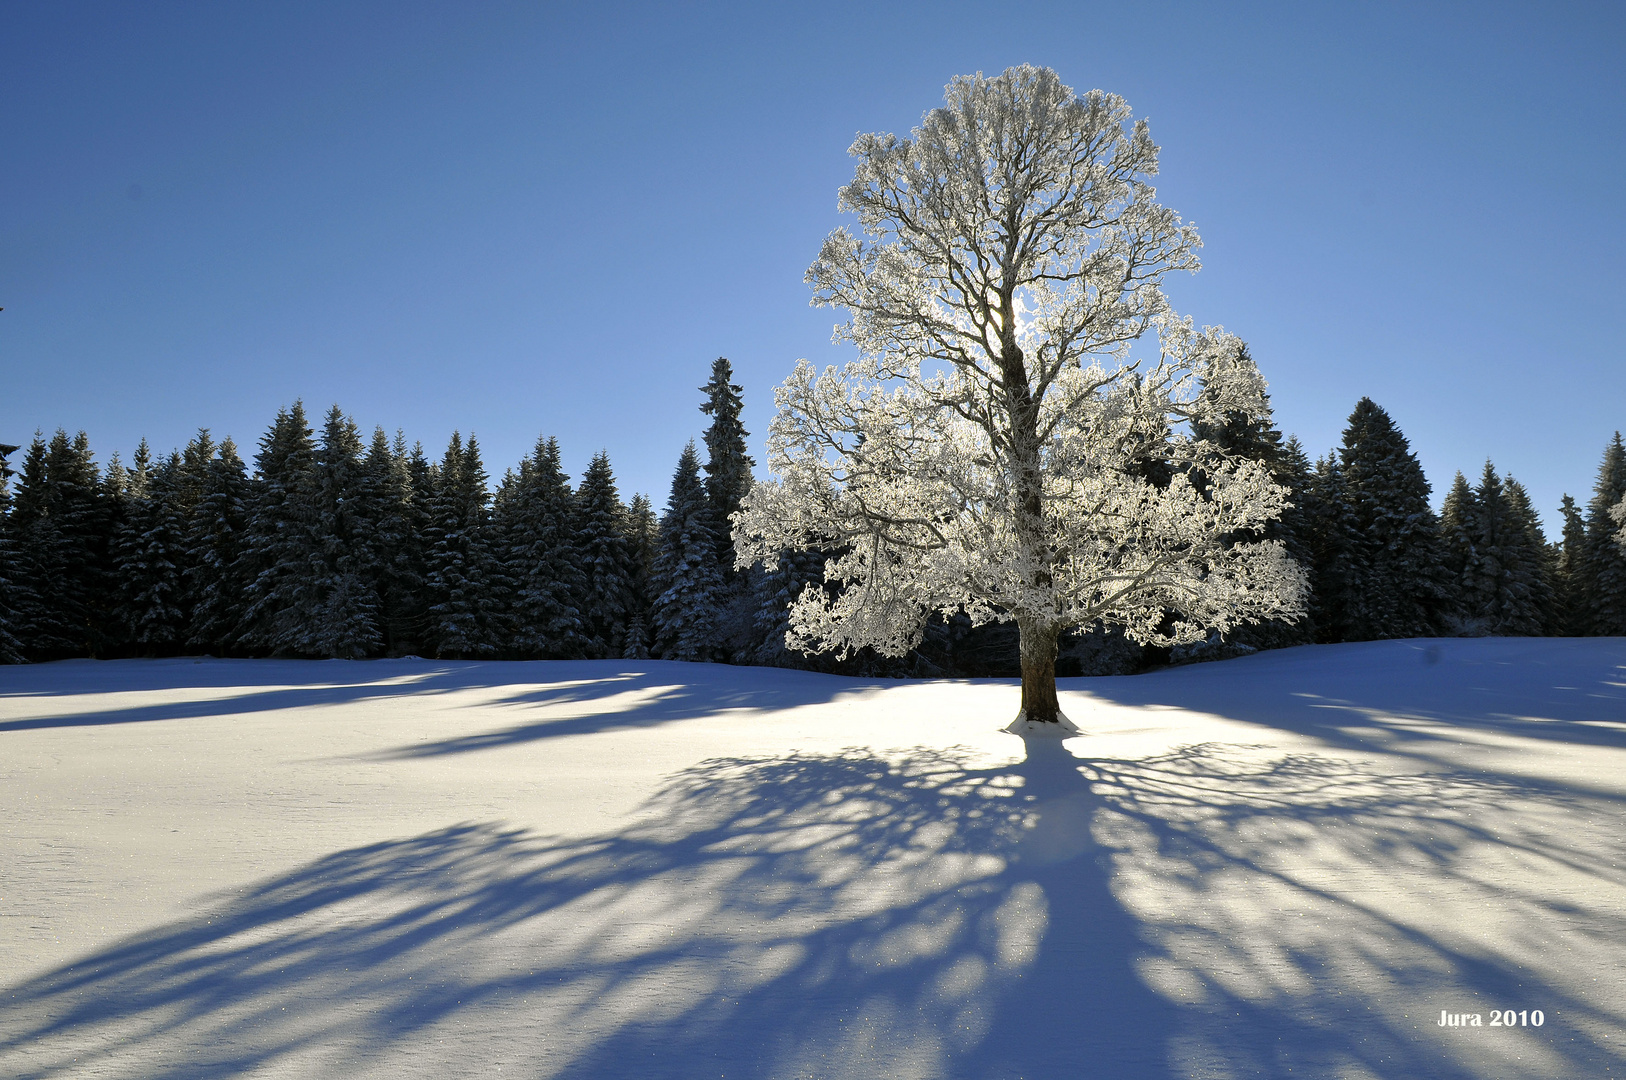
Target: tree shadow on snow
(854,916)
(1405,696)
(665,690)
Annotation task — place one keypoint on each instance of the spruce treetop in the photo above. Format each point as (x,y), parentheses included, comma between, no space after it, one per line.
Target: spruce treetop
(728,466)
(286,449)
(1610,486)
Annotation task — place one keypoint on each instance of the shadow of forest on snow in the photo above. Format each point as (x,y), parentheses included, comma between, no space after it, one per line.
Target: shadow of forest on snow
(851,915)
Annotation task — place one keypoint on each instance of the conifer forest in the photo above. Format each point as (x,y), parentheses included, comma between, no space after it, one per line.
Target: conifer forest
(329,545)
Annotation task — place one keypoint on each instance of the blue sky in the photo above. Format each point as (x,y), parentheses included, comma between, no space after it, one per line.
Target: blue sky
(527,219)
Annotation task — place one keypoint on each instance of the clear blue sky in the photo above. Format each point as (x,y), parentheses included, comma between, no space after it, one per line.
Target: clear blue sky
(524,219)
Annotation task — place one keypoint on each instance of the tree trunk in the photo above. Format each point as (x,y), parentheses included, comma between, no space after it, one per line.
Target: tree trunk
(1038,636)
(1038,648)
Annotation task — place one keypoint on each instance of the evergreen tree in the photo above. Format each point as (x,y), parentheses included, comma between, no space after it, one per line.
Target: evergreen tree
(215,539)
(337,593)
(425,476)
(26,529)
(396,511)
(1570,615)
(1492,572)
(545,567)
(689,587)
(1399,587)
(193,478)
(275,562)
(1458,522)
(1459,535)
(728,466)
(1619,514)
(643,541)
(116,486)
(148,557)
(1498,555)
(60,526)
(1290,468)
(773,591)
(728,478)
(119,488)
(1603,580)
(1532,564)
(607,601)
(11,649)
(1237,432)
(157,587)
(132,482)
(1254,437)
(1337,556)
(465,585)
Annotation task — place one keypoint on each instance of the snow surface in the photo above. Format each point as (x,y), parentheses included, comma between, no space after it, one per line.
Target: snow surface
(1283,865)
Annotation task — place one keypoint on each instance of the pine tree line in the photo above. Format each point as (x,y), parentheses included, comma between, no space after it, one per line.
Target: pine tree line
(1383,565)
(332,547)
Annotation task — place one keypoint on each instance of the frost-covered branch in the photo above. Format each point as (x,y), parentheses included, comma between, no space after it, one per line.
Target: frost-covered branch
(998,447)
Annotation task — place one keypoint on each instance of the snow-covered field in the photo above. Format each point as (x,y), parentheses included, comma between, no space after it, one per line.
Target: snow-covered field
(1285,865)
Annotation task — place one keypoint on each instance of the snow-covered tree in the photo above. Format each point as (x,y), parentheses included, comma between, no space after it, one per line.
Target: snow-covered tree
(537,516)
(1293,470)
(60,525)
(774,592)
(981,453)
(1255,437)
(1336,553)
(1604,577)
(155,579)
(1396,585)
(1246,434)
(215,538)
(338,597)
(307,560)
(728,466)
(607,604)
(1569,570)
(275,558)
(1495,550)
(148,557)
(11,649)
(685,578)
(466,582)
(643,532)
(1459,538)
(728,477)
(1533,563)
(397,563)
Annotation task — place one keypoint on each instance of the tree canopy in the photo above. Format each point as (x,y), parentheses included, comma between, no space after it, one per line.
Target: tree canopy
(997,447)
